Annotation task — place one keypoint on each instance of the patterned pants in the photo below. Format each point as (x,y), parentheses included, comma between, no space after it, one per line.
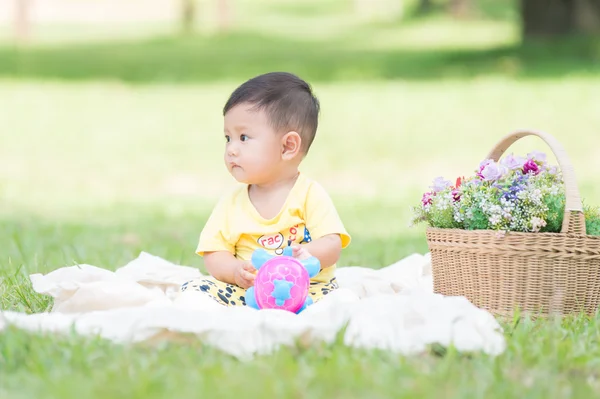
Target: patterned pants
(232,295)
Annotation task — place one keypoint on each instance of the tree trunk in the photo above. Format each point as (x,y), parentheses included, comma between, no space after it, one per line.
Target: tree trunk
(188,16)
(224,17)
(22,23)
(461,8)
(549,18)
(587,16)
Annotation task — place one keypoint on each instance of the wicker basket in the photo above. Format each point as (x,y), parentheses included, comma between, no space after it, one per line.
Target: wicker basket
(537,273)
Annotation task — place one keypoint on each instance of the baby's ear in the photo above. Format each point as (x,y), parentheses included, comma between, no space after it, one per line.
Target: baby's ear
(291,144)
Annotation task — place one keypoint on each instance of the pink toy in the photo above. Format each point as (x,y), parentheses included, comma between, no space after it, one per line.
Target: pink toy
(282,282)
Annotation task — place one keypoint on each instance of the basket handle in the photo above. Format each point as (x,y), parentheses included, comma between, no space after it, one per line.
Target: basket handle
(574,221)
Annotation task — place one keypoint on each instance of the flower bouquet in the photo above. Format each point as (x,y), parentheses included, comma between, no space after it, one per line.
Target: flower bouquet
(514,234)
(523,194)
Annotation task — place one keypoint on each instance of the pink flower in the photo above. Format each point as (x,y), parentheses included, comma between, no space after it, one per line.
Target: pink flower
(482,166)
(492,171)
(456,195)
(427,199)
(531,167)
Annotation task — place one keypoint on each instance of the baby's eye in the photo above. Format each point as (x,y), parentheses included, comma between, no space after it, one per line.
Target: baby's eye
(244,137)
(227,139)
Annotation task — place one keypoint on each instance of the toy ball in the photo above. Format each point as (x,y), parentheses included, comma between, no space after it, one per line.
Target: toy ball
(282,282)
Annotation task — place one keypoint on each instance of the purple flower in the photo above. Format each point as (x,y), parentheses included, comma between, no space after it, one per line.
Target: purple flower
(531,167)
(427,199)
(439,184)
(537,156)
(512,163)
(485,163)
(511,193)
(521,179)
(492,171)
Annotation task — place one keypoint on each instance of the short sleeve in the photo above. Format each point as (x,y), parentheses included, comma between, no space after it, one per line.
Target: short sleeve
(322,217)
(215,235)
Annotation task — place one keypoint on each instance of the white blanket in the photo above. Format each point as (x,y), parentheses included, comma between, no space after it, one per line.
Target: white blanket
(393,309)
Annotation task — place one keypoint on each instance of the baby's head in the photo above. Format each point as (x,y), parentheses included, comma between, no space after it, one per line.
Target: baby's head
(270,123)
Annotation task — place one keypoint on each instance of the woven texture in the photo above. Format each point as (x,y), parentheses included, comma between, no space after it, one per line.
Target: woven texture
(536,273)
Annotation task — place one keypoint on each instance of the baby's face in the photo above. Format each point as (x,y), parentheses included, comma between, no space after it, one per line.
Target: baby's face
(253,148)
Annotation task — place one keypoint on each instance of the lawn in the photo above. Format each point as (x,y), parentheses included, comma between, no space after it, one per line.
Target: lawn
(112,148)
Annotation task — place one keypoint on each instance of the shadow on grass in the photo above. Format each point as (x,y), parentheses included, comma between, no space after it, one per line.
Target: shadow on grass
(239,56)
(34,244)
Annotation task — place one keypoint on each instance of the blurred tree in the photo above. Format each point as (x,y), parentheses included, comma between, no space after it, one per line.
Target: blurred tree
(424,6)
(457,8)
(217,15)
(548,18)
(22,23)
(188,16)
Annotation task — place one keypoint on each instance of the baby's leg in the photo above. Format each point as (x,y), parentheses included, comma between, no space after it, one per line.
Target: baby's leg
(318,290)
(223,293)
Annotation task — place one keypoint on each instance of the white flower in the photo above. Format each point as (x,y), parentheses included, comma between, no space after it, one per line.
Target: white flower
(469,213)
(536,196)
(537,224)
(495,219)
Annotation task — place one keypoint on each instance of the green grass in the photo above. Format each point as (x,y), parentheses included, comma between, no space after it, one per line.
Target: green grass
(105,152)
(541,362)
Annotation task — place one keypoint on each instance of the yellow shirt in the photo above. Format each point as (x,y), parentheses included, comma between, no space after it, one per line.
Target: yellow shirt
(307,214)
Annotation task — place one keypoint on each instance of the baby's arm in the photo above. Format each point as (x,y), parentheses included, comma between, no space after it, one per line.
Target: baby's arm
(217,246)
(327,249)
(225,267)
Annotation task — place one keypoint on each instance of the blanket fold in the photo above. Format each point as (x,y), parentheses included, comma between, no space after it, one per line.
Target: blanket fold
(392,309)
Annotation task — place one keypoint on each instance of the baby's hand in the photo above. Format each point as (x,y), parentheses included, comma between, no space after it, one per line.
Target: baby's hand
(244,275)
(300,252)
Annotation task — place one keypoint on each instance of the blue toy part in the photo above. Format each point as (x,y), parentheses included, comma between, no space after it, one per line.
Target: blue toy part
(312,265)
(251,298)
(307,303)
(259,257)
(282,291)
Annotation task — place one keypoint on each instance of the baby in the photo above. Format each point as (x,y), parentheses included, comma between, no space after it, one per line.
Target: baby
(270,123)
